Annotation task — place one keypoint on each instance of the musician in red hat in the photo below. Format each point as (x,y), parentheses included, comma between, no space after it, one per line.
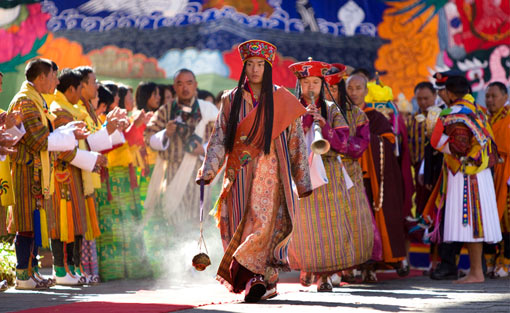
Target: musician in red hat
(330,234)
(258,134)
(359,139)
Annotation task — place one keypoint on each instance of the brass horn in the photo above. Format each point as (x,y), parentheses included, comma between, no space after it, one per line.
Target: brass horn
(319,144)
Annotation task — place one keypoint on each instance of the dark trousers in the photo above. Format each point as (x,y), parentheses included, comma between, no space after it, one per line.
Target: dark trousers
(25,246)
(448,252)
(72,255)
(504,244)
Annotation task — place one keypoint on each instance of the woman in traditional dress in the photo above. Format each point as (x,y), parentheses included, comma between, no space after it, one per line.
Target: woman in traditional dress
(358,140)
(121,250)
(330,233)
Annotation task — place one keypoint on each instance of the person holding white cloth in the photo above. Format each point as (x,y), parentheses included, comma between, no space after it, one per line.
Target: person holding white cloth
(177,132)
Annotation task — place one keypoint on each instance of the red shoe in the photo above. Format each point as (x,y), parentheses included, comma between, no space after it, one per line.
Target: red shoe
(255,289)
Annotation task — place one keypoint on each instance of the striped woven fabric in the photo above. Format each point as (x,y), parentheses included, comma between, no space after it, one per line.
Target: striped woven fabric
(331,230)
(121,251)
(26,177)
(68,183)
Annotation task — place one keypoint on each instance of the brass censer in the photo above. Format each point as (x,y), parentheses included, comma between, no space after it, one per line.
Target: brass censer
(201,261)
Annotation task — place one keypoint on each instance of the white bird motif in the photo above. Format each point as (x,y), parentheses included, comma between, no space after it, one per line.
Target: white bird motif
(168,8)
(351,15)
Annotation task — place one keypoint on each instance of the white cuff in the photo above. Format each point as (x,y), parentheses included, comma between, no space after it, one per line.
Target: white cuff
(2,157)
(159,141)
(421,171)
(508,182)
(17,132)
(59,140)
(117,138)
(99,140)
(86,160)
(443,144)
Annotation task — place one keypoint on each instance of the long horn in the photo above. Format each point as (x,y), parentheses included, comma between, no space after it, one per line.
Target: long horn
(319,144)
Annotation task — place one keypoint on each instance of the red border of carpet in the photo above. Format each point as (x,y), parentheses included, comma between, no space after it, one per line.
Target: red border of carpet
(110,307)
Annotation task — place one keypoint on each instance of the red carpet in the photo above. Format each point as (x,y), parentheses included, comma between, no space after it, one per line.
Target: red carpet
(110,307)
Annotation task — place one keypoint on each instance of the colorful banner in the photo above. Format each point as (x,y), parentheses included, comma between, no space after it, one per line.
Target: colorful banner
(130,40)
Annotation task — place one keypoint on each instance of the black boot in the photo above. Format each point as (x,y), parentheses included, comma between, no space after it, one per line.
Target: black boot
(447,269)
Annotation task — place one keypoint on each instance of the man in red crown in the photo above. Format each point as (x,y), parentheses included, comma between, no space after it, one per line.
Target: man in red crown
(258,134)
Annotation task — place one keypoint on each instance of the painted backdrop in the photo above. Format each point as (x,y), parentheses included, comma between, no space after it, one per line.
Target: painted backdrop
(132,40)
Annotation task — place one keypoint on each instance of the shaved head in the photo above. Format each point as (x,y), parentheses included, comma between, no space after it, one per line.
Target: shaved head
(357,77)
(356,87)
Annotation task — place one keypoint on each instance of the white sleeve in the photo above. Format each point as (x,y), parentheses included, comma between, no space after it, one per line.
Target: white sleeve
(208,110)
(17,132)
(159,141)
(421,171)
(2,157)
(61,141)
(443,144)
(117,138)
(99,140)
(85,159)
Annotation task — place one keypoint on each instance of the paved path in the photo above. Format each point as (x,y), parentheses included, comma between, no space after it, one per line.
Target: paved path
(415,294)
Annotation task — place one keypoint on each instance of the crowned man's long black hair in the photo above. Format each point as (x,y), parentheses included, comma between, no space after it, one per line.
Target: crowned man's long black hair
(264,113)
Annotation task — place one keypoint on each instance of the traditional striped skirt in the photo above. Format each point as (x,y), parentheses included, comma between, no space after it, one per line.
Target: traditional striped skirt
(455,229)
(89,257)
(72,192)
(25,191)
(325,231)
(360,216)
(121,251)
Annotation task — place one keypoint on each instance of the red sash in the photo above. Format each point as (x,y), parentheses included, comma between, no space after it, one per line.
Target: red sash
(286,110)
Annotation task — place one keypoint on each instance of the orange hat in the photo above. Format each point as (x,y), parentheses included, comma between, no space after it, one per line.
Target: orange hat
(335,78)
(257,48)
(310,68)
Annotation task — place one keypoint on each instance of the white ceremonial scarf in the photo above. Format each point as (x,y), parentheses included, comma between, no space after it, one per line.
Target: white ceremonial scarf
(318,174)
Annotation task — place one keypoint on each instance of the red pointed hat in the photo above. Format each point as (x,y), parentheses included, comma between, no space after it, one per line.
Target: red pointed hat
(257,48)
(335,78)
(310,68)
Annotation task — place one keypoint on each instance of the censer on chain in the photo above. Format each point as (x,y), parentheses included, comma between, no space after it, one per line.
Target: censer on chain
(201,260)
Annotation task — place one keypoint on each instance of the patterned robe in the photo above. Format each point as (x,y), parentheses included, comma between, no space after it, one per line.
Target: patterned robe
(389,217)
(89,253)
(467,193)
(68,181)
(175,154)
(26,168)
(418,142)
(169,210)
(256,216)
(362,218)
(331,233)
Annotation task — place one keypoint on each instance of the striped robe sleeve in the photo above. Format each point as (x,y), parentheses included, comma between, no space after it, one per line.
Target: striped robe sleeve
(64,117)
(36,138)
(157,123)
